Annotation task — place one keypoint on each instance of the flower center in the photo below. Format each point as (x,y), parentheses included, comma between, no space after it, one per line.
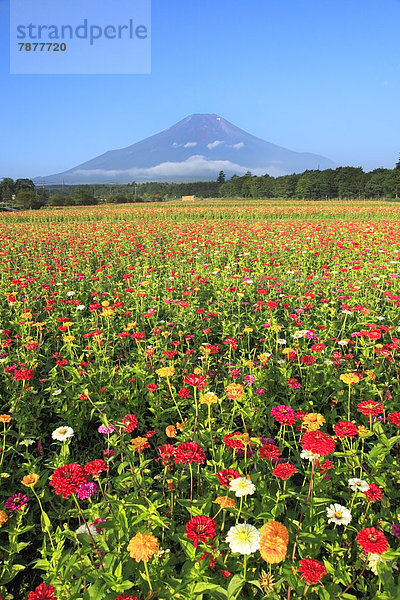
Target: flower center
(338,514)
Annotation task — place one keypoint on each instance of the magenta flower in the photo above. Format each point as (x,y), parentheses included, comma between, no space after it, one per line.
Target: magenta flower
(104,429)
(86,490)
(396,531)
(16,502)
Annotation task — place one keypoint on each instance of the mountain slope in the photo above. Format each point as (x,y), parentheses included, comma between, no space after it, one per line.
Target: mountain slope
(196,148)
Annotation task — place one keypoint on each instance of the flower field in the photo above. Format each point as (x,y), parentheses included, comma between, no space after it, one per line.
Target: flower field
(200,402)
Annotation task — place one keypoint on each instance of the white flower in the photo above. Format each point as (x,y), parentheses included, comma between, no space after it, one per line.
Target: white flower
(308,455)
(62,433)
(281,341)
(242,487)
(71,293)
(343,342)
(358,484)
(297,335)
(340,515)
(373,560)
(26,442)
(84,529)
(243,538)
(56,393)
(80,307)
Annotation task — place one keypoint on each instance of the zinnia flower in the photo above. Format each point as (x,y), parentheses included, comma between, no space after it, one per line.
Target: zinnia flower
(396,531)
(189,452)
(318,442)
(394,418)
(345,429)
(349,378)
(340,515)
(313,421)
(16,502)
(234,391)
(87,529)
(283,414)
(201,529)
(3,517)
(226,502)
(226,475)
(269,451)
(86,490)
(62,433)
(165,372)
(370,407)
(42,592)
(130,422)
(104,429)
(5,418)
(284,470)
(372,540)
(95,467)
(243,538)
(242,487)
(209,398)
(373,493)
(142,546)
(358,484)
(67,479)
(311,570)
(30,480)
(273,542)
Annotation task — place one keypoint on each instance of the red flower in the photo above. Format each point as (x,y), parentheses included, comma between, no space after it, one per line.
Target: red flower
(318,442)
(370,407)
(125,597)
(166,451)
(325,466)
(200,529)
(196,381)
(394,418)
(184,392)
(42,592)
(372,540)
(308,360)
(227,475)
(311,570)
(284,470)
(269,451)
(345,429)
(189,452)
(23,374)
(130,422)
(283,414)
(231,442)
(374,493)
(152,387)
(95,467)
(67,479)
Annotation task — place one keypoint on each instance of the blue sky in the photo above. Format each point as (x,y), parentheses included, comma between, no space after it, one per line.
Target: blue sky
(318,76)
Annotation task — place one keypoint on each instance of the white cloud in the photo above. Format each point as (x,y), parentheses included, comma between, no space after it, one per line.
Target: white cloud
(194,166)
(214,144)
(190,144)
(238,145)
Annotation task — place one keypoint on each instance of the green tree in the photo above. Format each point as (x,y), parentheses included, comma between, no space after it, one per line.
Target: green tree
(398,164)
(83,196)
(27,199)
(392,183)
(7,189)
(24,184)
(221,178)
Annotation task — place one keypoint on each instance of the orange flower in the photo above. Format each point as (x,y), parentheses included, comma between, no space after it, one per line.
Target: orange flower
(234,391)
(313,421)
(3,517)
(142,546)
(5,418)
(273,542)
(140,443)
(170,431)
(30,480)
(225,502)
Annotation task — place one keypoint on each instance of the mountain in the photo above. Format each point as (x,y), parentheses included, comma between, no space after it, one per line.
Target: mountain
(196,148)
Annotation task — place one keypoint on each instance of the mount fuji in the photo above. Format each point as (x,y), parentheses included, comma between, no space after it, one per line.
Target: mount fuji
(194,149)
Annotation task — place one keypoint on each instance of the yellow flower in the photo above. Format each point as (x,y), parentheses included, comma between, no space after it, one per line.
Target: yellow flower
(5,418)
(234,391)
(181,426)
(3,518)
(26,316)
(69,338)
(349,378)
(250,364)
(131,326)
(30,480)
(263,357)
(165,372)
(248,330)
(105,303)
(225,502)
(371,375)
(107,312)
(140,443)
(362,430)
(142,546)
(287,350)
(68,324)
(276,328)
(313,421)
(209,398)
(197,371)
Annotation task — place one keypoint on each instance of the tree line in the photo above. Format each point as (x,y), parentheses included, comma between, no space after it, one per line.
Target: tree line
(343,183)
